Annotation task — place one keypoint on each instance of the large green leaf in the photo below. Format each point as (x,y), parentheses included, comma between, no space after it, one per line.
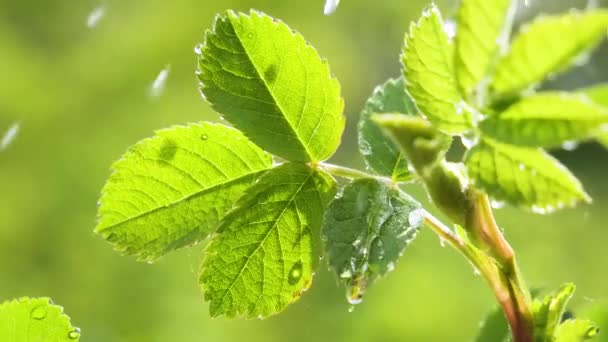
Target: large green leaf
(546,120)
(549,45)
(482,25)
(171,190)
(599,95)
(35,320)
(576,330)
(365,230)
(266,80)
(382,155)
(428,67)
(263,258)
(524,177)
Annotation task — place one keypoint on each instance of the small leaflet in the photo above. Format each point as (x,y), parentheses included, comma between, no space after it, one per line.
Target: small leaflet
(95,16)
(10,135)
(158,86)
(330,6)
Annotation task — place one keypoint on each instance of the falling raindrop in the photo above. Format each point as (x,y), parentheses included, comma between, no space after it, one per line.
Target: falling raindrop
(9,136)
(95,16)
(158,86)
(330,6)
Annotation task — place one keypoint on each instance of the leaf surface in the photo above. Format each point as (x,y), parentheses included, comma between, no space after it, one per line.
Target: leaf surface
(263,256)
(546,120)
(524,177)
(481,26)
(547,46)
(172,190)
(366,230)
(576,330)
(548,313)
(382,155)
(428,67)
(35,319)
(266,80)
(599,94)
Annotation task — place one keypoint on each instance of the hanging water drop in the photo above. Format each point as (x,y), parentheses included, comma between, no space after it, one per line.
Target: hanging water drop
(74,334)
(390,267)
(197,49)
(416,217)
(497,204)
(39,312)
(441,242)
(570,145)
(351,308)
(450,28)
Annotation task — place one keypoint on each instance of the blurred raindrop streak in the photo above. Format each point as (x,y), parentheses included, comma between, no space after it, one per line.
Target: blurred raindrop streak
(10,135)
(158,86)
(330,6)
(95,16)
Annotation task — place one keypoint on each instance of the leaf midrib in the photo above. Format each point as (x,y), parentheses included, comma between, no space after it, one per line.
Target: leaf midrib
(267,86)
(271,229)
(195,194)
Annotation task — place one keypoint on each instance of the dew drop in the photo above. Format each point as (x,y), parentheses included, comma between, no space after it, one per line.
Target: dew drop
(442,242)
(416,218)
(351,308)
(204,137)
(469,140)
(497,204)
(450,27)
(295,273)
(74,334)
(390,267)
(570,145)
(365,148)
(592,332)
(250,35)
(39,312)
(197,49)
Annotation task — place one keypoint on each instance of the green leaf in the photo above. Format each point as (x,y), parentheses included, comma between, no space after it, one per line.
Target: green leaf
(546,120)
(548,45)
(494,327)
(263,258)
(382,155)
(267,81)
(366,229)
(576,330)
(35,319)
(172,190)
(428,67)
(524,177)
(599,95)
(481,25)
(548,313)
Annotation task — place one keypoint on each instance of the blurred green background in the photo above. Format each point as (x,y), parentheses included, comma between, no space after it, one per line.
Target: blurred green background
(81,97)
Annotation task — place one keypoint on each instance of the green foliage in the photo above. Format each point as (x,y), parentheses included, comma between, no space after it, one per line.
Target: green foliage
(494,328)
(272,85)
(525,177)
(35,319)
(266,221)
(381,154)
(172,190)
(366,229)
(264,256)
(547,46)
(481,26)
(576,330)
(546,120)
(599,95)
(428,66)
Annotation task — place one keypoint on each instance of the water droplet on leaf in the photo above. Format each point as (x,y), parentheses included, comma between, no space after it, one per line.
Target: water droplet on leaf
(74,334)
(416,218)
(39,312)
(295,273)
(204,137)
(570,145)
